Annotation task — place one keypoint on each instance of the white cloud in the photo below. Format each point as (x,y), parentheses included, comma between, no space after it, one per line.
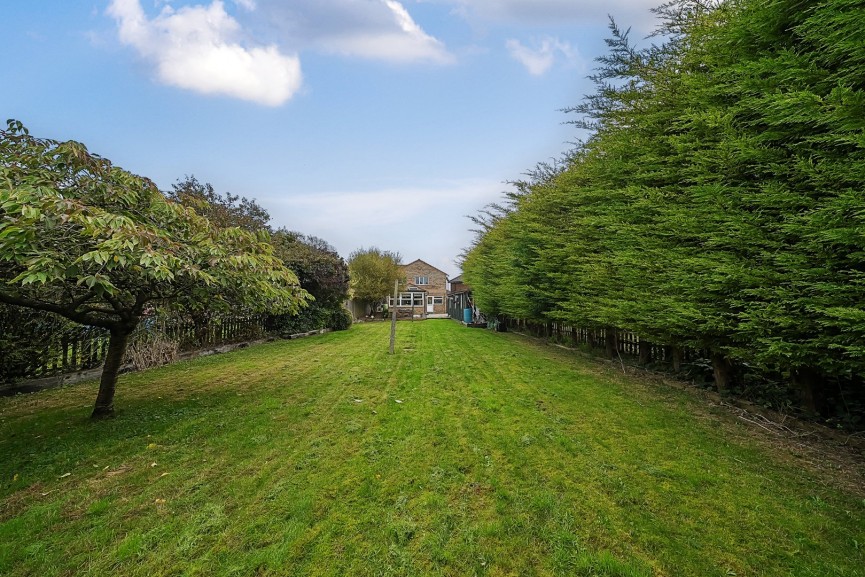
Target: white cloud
(540,58)
(370,29)
(419,222)
(626,12)
(198,48)
(404,42)
(386,207)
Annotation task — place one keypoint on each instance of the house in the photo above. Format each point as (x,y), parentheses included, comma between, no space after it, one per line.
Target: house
(425,292)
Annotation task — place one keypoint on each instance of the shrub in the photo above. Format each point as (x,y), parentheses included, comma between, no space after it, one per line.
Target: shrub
(341,319)
(151,349)
(312,318)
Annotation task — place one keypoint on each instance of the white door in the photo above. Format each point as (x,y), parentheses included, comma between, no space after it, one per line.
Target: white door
(430,305)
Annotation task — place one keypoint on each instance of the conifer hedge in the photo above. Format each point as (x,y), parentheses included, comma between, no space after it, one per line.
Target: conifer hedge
(718,204)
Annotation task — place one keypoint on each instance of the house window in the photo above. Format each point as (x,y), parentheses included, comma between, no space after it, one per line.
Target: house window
(438,300)
(421,280)
(408,300)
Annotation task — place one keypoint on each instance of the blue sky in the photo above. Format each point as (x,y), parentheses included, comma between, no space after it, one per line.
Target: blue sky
(365,122)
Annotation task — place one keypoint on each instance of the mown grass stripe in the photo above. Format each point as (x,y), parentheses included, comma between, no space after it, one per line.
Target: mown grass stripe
(505,457)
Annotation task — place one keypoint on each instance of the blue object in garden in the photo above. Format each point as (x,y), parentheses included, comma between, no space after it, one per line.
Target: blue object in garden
(467,316)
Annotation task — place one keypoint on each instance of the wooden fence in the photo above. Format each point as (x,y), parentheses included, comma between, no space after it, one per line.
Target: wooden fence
(75,348)
(215,332)
(72,350)
(613,340)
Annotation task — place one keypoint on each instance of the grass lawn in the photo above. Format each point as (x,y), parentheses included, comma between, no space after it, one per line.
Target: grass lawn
(466,453)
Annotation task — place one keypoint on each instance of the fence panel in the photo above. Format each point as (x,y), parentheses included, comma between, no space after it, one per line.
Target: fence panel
(65,348)
(627,343)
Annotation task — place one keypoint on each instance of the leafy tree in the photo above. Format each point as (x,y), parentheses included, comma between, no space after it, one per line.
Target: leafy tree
(320,269)
(221,210)
(208,303)
(91,242)
(322,273)
(373,273)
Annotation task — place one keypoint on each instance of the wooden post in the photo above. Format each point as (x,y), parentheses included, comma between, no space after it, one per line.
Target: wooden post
(807,383)
(645,352)
(723,371)
(393,315)
(676,357)
(611,342)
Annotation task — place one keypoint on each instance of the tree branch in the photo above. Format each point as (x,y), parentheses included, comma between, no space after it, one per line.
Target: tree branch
(63,311)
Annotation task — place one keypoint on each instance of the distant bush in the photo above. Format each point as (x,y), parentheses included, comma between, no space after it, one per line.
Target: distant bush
(311,318)
(340,320)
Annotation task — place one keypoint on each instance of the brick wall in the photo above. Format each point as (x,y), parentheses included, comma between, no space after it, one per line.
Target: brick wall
(436,287)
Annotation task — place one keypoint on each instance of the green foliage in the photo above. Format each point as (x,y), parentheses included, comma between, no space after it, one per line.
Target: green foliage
(719,202)
(95,243)
(322,273)
(313,317)
(223,211)
(340,319)
(89,241)
(373,273)
(319,268)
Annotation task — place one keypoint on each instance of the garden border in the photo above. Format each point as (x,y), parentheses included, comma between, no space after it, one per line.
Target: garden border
(56,381)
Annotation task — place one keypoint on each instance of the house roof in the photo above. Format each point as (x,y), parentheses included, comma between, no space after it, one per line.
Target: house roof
(427,264)
(458,286)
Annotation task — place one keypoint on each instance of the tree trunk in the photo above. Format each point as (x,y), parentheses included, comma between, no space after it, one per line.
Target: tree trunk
(807,384)
(611,341)
(723,372)
(673,355)
(645,352)
(113,360)
(201,327)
